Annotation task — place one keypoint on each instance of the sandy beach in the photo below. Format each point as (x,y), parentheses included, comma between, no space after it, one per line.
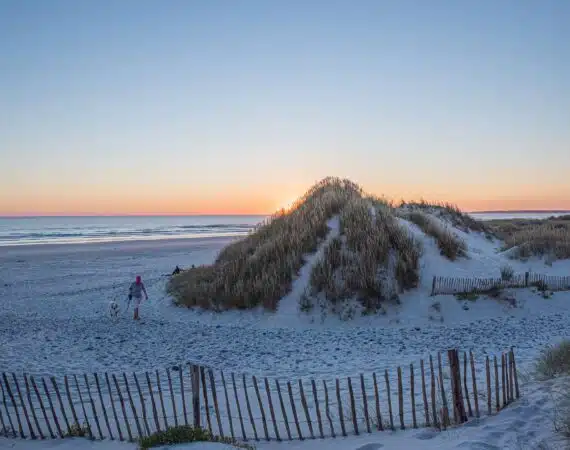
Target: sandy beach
(54,320)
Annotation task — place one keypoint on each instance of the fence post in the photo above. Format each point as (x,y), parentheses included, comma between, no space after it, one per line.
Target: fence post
(433,286)
(455,373)
(517,392)
(526,274)
(195,377)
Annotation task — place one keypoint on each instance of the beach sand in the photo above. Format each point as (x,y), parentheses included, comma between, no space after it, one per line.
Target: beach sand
(54,320)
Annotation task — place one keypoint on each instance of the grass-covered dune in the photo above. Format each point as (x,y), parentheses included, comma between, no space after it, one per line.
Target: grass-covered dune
(535,237)
(365,253)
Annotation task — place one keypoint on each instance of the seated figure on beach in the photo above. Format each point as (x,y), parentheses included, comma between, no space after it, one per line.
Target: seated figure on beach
(176,271)
(136,290)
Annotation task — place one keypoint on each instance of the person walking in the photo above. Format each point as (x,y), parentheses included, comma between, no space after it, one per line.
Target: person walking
(136,290)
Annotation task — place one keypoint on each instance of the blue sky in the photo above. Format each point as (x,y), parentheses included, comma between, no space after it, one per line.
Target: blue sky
(238,106)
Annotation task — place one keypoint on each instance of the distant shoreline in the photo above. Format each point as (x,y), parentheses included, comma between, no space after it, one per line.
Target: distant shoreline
(523,211)
(90,216)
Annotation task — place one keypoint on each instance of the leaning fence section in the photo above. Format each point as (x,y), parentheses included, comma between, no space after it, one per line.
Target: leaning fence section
(438,392)
(460,285)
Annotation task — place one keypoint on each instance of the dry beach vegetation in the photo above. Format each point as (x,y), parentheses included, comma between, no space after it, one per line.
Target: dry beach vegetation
(367,255)
(533,237)
(370,258)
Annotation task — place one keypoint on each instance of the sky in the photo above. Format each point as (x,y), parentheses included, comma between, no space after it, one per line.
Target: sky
(238,107)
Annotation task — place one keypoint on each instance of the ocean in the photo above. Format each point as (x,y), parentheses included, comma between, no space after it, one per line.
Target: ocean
(76,230)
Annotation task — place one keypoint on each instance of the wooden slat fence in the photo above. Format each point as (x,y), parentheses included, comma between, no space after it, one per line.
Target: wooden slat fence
(437,392)
(461,285)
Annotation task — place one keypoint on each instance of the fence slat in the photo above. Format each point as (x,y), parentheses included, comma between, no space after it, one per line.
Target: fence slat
(465,385)
(365,401)
(113,408)
(60,401)
(152,402)
(123,409)
(340,413)
(161,398)
(215,399)
(353,407)
(4,429)
(238,408)
(132,404)
(319,418)
(503,380)
(28,422)
(172,399)
(182,393)
(195,390)
(44,412)
(474,380)
(85,417)
(252,421)
(389,399)
(102,403)
(206,401)
(32,408)
(263,418)
(294,410)
(424,394)
(511,376)
(228,409)
(433,394)
(305,406)
(55,419)
(283,410)
(143,404)
(271,410)
(401,399)
(70,400)
(498,403)
(445,420)
(5,403)
(14,405)
(379,425)
(517,392)
(328,410)
(489,387)
(413,396)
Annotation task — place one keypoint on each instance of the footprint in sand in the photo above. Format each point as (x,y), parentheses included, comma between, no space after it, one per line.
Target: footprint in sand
(478,446)
(371,446)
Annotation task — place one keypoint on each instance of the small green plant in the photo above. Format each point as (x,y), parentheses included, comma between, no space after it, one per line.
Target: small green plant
(306,305)
(507,273)
(540,285)
(555,360)
(77,430)
(493,292)
(184,434)
(471,296)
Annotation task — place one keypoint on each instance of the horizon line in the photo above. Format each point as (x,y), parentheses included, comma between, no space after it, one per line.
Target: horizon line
(31,216)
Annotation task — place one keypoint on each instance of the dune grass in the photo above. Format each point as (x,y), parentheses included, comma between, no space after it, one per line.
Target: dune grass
(450,212)
(258,270)
(450,245)
(549,238)
(372,260)
(554,361)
